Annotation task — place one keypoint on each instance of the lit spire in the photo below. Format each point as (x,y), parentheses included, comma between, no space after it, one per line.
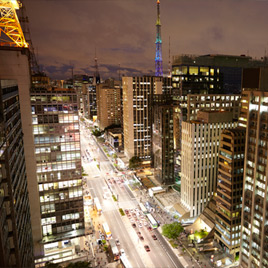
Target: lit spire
(158,42)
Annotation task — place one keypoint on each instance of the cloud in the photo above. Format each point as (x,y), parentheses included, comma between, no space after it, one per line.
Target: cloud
(123,32)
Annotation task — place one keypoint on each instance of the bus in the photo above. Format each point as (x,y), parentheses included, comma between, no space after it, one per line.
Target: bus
(114,249)
(143,208)
(97,205)
(152,221)
(124,261)
(106,230)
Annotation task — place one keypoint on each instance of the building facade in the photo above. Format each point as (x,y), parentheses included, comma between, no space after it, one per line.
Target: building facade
(200,148)
(254,233)
(58,162)
(212,102)
(109,103)
(137,113)
(229,190)
(162,139)
(16,242)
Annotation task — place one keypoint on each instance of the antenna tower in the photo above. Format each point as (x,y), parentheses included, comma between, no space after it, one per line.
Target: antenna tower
(158,42)
(11,33)
(97,74)
(26,29)
(169,62)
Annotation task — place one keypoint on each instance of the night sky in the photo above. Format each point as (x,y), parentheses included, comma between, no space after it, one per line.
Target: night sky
(65,33)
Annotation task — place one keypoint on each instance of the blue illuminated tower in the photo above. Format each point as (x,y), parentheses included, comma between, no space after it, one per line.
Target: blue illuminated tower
(158,42)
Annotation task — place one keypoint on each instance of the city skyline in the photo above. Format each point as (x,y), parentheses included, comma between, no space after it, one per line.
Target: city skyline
(124,33)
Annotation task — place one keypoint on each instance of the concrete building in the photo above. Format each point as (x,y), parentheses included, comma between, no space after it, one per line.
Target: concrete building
(205,75)
(58,165)
(200,148)
(229,190)
(114,138)
(212,102)
(16,242)
(162,139)
(137,113)
(14,65)
(108,97)
(254,233)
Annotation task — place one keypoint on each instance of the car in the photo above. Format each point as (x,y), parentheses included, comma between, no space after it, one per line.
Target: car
(140,225)
(132,220)
(154,237)
(150,228)
(126,210)
(131,210)
(117,242)
(134,225)
(141,238)
(129,216)
(138,233)
(145,223)
(147,248)
(122,251)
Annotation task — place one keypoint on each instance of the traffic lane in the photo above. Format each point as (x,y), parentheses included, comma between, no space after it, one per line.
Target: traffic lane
(119,231)
(168,250)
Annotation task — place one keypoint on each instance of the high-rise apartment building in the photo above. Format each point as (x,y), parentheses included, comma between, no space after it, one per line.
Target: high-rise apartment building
(137,113)
(162,138)
(229,189)
(58,163)
(206,74)
(109,103)
(200,148)
(212,102)
(254,233)
(16,242)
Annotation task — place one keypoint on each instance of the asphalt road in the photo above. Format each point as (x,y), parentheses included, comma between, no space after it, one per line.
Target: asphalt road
(160,255)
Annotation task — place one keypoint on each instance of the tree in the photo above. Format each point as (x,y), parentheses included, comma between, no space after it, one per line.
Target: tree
(52,265)
(134,162)
(79,264)
(172,230)
(96,132)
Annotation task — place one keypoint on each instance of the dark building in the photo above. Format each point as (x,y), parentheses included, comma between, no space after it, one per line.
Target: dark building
(229,189)
(254,233)
(162,138)
(16,243)
(206,74)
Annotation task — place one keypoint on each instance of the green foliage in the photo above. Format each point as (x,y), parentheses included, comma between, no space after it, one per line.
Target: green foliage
(114,156)
(122,212)
(52,265)
(134,162)
(79,264)
(82,119)
(237,258)
(96,132)
(173,244)
(103,242)
(201,234)
(114,198)
(172,230)
(98,166)
(105,247)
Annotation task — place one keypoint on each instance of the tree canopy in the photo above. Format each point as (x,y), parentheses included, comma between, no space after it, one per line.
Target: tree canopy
(172,230)
(79,264)
(134,162)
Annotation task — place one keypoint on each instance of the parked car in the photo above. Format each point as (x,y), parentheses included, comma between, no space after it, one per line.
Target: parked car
(134,225)
(141,238)
(122,251)
(117,242)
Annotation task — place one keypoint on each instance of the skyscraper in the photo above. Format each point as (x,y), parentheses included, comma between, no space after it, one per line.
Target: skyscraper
(229,189)
(254,233)
(158,42)
(16,242)
(58,165)
(200,147)
(109,103)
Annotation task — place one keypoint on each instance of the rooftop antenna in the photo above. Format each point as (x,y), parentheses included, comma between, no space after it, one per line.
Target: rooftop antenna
(96,74)
(119,74)
(169,62)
